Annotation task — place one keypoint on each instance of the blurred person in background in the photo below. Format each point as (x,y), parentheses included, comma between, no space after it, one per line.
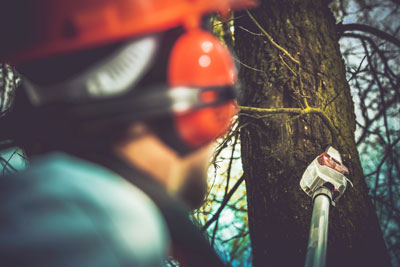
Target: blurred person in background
(118,106)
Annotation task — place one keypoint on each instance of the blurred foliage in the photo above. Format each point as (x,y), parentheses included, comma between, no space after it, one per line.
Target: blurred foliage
(227,228)
(12,160)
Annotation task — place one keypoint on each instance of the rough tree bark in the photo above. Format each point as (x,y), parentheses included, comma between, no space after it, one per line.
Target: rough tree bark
(295,79)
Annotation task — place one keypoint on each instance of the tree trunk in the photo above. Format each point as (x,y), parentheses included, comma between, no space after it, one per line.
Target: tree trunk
(302,71)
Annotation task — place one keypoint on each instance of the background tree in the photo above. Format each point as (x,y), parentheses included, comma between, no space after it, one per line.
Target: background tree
(295,110)
(375,21)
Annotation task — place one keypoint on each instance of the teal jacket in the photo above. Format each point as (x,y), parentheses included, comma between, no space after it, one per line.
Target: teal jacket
(65,211)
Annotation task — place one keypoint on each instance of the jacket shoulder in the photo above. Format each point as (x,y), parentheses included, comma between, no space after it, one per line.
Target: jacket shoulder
(79,214)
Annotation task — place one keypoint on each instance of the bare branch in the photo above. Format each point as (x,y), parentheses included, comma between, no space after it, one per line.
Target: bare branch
(223,204)
(271,39)
(342,28)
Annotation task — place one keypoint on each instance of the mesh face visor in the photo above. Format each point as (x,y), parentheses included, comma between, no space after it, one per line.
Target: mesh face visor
(156,101)
(178,100)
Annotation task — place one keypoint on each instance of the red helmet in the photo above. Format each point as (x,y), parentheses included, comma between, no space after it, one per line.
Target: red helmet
(60,26)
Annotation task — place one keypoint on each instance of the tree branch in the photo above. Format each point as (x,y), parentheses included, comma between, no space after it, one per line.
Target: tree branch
(271,39)
(295,111)
(365,28)
(223,204)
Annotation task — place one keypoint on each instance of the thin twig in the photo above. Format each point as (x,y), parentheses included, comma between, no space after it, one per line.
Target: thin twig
(250,67)
(223,204)
(271,39)
(252,33)
(365,28)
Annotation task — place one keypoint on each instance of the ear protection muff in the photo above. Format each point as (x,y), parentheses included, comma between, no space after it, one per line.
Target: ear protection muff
(198,58)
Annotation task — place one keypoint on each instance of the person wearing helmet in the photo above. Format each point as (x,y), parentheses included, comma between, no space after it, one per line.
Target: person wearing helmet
(119,104)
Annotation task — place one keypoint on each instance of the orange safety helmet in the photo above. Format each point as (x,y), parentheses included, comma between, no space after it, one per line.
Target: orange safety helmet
(198,59)
(61,26)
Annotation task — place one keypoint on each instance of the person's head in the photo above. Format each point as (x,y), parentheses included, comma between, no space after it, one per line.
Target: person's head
(117,75)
